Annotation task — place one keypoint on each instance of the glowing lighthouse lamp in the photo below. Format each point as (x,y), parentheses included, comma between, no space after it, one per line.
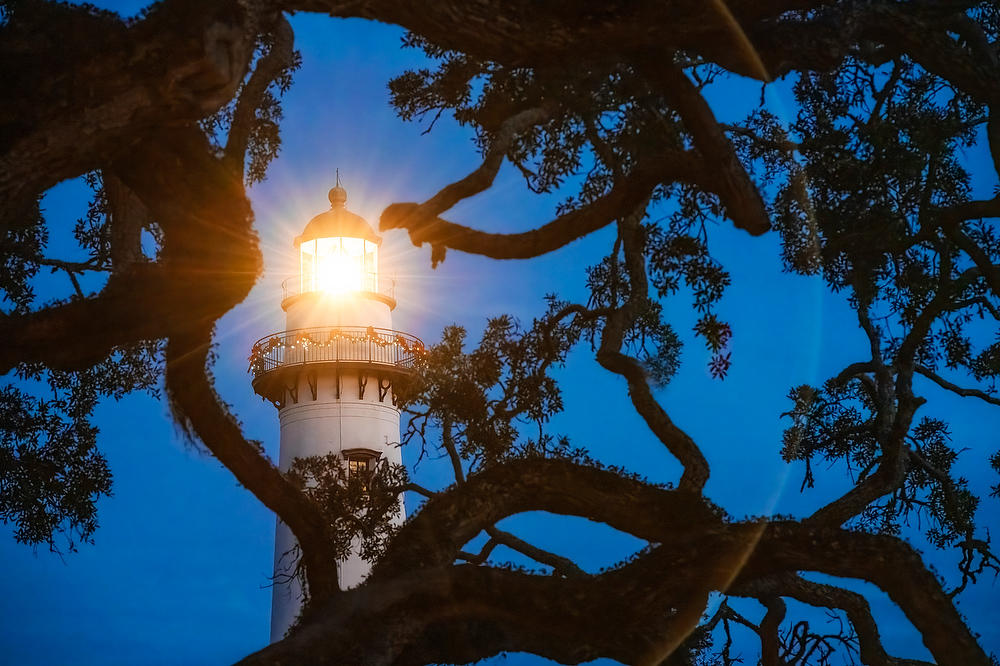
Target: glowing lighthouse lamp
(330,372)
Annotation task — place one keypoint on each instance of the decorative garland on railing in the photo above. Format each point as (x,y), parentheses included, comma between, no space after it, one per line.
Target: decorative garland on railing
(331,337)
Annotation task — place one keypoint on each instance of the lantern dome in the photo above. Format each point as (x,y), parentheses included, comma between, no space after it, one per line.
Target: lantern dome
(338,222)
(338,251)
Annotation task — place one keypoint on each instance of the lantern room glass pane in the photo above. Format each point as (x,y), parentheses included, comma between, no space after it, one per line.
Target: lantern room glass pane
(371,266)
(307,266)
(338,265)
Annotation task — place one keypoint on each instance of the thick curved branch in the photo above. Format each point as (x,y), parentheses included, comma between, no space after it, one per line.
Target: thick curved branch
(820,40)
(540,34)
(451,518)
(625,195)
(560,565)
(141,303)
(925,39)
(197,406)
(209,261)
(890,564)
(279,57)
(610,356)
(744,204)
(731,182)
(185,60)
(677,441)
(463,613)
(854,605)
(685,527)
(419,219)
(954,388)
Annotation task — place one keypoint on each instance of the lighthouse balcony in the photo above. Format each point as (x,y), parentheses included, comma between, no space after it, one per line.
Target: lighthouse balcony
(335,344)
(278,359)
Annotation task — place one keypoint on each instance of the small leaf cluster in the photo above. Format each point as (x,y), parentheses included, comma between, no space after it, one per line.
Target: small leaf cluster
(265,136)
(21,246)
(361,508)
(648,336)
(837,423)
(480,399)
(603,120)
(834,422)
(51,471)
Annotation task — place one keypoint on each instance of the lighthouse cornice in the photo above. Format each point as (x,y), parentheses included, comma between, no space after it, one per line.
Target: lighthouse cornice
(291,294)
(319,298)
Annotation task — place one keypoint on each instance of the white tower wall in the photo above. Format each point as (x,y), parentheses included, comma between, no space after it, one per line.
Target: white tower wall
(316,428)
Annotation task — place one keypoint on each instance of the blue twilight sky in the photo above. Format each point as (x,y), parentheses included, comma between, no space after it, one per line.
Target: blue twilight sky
(180,569)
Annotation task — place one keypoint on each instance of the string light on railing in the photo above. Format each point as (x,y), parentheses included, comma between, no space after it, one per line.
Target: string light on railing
(383,339)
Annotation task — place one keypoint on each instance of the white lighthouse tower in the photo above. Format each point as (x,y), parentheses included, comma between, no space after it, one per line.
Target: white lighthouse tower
(330,372)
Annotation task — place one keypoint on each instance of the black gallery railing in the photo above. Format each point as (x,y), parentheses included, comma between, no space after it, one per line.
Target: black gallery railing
(356,344)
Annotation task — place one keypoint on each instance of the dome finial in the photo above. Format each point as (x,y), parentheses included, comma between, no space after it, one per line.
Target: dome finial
(338,195)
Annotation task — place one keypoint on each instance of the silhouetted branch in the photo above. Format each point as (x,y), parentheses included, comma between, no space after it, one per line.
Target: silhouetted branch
(561,565)
(954,388)
(278,58)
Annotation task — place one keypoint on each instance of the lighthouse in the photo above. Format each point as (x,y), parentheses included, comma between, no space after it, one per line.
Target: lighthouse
(330,373)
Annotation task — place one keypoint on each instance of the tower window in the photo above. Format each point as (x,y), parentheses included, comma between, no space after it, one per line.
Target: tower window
(358,465)
(361,464)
